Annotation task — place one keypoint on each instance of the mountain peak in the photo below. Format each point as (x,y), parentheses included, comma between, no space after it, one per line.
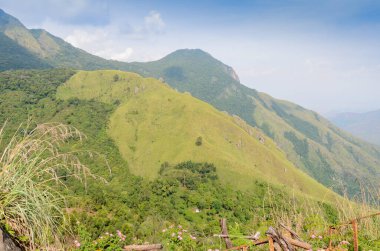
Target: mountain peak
(190,54)
(199,58)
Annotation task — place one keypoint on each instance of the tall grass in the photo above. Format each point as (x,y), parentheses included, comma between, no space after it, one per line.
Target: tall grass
(32,167)
(311,218)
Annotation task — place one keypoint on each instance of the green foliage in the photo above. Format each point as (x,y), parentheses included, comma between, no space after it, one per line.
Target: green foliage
(198,141)
(178,238)
(191,175)
(115,78)
(107,241)
(191,193)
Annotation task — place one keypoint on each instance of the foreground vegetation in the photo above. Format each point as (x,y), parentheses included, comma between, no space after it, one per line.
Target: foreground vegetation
(182,195)
(32,167)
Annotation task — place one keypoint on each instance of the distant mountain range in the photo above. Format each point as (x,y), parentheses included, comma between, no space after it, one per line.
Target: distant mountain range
(363,125)
(330,155)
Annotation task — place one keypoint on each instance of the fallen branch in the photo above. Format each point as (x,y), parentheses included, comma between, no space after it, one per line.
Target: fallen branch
(254,237)
(299,244)
(279,239)
(292,233)
(223,226)
(148,247)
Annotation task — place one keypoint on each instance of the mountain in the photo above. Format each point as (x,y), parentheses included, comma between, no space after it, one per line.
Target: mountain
(44,50)
(14,55)
(330,155)
(363,125)
(154,124)
(312,143)
(128,122)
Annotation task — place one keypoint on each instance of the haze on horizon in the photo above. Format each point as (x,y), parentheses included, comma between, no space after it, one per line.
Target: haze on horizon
(323,55)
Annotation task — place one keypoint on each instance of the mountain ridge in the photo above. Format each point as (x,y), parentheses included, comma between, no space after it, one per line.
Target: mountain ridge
(311,142)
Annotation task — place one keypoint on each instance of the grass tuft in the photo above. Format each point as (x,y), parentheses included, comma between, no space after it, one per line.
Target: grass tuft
(32,167)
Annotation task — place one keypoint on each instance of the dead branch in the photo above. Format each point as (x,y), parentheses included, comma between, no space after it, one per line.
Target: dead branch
(223,226)
(292,233)
(278,238)
(148,247)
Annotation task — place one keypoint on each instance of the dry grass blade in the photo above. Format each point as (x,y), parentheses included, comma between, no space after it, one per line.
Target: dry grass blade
(29,162)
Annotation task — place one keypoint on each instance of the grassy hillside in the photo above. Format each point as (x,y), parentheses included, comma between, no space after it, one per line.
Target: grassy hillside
(363,125)
(141,208)
(154,124)
(333,157)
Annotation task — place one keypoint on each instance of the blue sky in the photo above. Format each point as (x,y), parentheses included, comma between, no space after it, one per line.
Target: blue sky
(324,55)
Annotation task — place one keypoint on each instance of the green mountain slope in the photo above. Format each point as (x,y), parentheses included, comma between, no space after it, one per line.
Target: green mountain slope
(14,56)
(142,207)
(154,124)
(363,125)
(328,154)
(312,143)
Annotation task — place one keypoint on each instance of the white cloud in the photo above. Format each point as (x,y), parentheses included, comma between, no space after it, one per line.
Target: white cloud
(123,56)
(113,42)
(83,38)
(154,22)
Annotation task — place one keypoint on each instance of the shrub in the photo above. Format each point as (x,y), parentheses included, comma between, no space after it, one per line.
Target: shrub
(198,141)
(116,78)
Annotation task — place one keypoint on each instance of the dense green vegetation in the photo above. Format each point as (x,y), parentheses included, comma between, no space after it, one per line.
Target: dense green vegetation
(192,178)
(189,194)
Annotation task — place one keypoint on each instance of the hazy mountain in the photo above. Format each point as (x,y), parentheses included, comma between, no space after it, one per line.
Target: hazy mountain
(327,153)
(45,49)
(363,125)
(15,55)
(311,142)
